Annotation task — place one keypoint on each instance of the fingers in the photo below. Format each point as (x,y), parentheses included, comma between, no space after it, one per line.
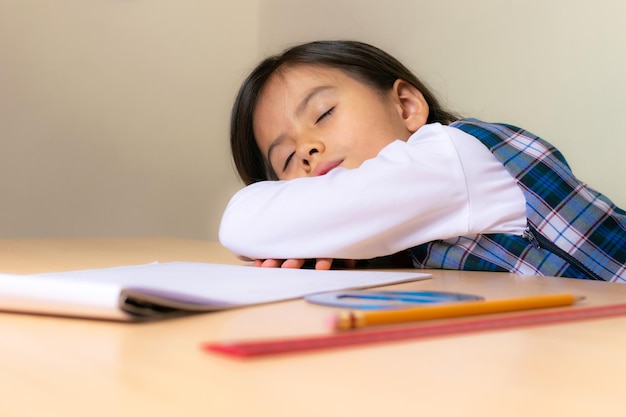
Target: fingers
(278,263)
(327,263)
(320,263)
(293,263)
(323,263)
(267,263)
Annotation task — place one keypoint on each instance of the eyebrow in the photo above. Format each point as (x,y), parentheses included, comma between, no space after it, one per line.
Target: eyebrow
(307,99)
(299,110)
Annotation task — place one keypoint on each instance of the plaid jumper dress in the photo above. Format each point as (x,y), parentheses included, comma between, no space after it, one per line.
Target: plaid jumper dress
(573,231)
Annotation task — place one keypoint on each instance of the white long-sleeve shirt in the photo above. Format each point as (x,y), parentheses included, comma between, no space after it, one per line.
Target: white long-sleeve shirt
(440,183)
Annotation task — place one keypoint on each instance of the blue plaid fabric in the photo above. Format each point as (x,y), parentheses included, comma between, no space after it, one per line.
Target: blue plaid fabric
(573,230)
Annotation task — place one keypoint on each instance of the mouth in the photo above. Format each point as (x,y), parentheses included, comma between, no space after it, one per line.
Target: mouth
(324,168)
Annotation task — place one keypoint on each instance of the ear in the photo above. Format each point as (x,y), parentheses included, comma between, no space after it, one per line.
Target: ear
(411,104)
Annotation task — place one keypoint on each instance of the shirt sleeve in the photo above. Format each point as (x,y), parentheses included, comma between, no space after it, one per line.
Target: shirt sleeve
(411,193)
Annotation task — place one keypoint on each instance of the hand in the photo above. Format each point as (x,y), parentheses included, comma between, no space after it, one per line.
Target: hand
(320,263)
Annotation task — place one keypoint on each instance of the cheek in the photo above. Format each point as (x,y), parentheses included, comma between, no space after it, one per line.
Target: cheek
(361,137)
(376,138)
(360,151)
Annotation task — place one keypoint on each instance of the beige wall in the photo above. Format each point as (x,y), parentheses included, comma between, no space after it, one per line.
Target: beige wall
(114,114)
(554,67)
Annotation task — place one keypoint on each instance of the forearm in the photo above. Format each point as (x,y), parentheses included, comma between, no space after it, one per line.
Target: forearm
(378,209)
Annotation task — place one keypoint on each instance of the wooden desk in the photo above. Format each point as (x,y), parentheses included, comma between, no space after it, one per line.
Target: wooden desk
(74,367)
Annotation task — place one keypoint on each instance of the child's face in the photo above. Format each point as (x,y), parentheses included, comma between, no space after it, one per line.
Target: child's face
(312,119)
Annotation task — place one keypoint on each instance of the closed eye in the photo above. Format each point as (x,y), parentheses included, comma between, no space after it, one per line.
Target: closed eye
(289,158)
(324,115)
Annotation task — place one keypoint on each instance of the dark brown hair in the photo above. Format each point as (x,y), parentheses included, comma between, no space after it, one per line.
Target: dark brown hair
(363,62)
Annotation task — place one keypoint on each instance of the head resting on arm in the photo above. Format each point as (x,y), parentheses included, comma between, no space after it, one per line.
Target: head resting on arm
(362,62)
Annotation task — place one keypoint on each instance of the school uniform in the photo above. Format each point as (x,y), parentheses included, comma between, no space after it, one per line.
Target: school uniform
(573,230)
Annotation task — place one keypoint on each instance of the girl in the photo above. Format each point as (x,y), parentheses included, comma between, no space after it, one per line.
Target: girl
(347,155)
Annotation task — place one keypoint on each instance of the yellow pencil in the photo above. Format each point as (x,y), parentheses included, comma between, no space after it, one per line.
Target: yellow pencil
(353,319)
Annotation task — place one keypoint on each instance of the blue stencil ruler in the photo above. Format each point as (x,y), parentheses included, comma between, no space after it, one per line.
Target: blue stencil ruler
(380,300)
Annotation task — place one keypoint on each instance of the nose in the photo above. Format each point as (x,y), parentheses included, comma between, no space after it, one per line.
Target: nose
(308,151)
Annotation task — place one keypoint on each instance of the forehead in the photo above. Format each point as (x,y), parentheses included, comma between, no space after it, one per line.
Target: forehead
(308,72)
(284,90)
(288,82)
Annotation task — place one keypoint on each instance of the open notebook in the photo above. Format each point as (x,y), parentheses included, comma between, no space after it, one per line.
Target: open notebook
(159,290)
